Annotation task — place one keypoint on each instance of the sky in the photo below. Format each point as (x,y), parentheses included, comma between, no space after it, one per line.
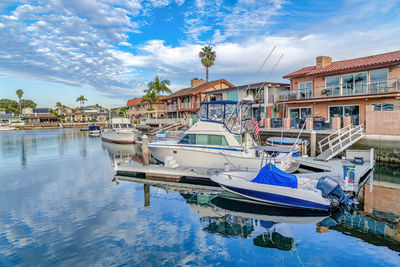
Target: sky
(108,50)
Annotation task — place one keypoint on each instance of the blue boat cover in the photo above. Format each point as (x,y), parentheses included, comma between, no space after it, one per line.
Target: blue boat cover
(272,175)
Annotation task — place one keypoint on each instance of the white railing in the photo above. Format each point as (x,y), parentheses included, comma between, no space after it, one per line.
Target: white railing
(349,89)
(337,141)
(165,121)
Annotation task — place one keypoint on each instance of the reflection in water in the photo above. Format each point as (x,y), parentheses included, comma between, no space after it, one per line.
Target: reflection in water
(224,216)
(123,151)
(63,209)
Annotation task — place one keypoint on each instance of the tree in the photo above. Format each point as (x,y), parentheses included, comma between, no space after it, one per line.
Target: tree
(154,91)
(27,103)
(81,100)
(159,87)
(58,104)
(207,56)
(9,105)
(19,93)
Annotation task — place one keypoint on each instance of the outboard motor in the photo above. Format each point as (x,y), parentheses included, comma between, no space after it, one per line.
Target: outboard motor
(330,188)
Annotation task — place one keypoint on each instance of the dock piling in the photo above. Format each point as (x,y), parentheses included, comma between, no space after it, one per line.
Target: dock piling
(313,146)
(145,150)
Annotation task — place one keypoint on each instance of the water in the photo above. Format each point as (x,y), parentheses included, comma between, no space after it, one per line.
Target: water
(60,205)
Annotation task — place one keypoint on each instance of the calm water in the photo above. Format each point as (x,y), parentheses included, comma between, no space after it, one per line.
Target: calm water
(60,206)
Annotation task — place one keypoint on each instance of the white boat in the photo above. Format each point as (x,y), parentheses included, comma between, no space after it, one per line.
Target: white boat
(120,131)
(272,186)
(302,144)
(217,141)
(7,128)
(94,130)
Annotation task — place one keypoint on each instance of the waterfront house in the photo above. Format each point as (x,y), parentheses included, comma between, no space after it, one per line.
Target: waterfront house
(346,88)
(265,94)
(186,102)
(41,118)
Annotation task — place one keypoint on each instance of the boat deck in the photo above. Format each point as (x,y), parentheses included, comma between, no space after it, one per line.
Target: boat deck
(334,169)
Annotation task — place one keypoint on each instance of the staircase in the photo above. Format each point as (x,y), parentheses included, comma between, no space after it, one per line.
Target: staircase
(340,140)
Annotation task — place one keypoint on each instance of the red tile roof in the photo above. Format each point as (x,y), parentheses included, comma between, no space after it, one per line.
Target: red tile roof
(134,101)
(348,65)
(197,89)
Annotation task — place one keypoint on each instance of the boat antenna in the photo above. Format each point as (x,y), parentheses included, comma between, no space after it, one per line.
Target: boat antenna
(255,75)
(251,81)
(268,75)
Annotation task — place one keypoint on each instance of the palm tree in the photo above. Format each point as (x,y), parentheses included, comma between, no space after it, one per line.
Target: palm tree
(159,87)
(19,93)
(150,96)
(81,100)
(154,91)
(207,56)
(58,104)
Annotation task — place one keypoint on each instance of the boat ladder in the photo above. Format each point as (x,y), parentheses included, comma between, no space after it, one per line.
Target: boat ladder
(338,141)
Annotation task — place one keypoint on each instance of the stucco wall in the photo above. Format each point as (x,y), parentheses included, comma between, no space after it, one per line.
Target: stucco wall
(382,122)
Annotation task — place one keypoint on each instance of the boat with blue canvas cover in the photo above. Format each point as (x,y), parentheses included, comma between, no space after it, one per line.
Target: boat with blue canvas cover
(94,130)
(221,137)
(272,186)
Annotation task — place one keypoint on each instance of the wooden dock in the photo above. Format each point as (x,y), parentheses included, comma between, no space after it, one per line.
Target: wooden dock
(309,168)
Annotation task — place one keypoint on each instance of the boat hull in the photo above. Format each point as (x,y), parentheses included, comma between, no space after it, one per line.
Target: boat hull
(119,137)
(270,194)
(204,157)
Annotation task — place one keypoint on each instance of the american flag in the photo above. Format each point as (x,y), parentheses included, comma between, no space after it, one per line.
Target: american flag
(256,129)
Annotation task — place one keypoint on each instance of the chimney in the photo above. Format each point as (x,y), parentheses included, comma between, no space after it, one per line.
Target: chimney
(323,61)
(196,82)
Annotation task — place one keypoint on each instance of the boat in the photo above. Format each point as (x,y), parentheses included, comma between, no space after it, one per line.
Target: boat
(272,186)
(221,139)
(120,131)
(6,127)
(94,130)
(302,144)
(170,135)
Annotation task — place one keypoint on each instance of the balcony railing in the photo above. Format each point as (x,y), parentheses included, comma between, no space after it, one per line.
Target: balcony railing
(171,107)
(353,89)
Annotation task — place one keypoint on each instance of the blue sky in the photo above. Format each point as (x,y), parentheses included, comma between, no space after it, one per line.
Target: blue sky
(56,50)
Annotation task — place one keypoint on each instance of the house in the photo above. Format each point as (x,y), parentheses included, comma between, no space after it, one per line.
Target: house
(343,88)
(41,118)
(265,94)
(186,102)
(139,108)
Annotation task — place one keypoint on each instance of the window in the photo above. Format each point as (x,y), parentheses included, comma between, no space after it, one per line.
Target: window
(188,139)
(332,86)
(305,90)
(355,83)
(205,139)
(383,106)
(116,126)
(233,95)
(378,80)
(130,126)
(300,113)
(340,111)
(124,126)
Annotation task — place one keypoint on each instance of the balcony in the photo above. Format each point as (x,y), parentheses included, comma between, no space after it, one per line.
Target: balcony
(382,87)
(171,107)
(186,105)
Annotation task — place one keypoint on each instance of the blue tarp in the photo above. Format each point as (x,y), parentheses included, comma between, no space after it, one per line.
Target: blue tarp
(272,175)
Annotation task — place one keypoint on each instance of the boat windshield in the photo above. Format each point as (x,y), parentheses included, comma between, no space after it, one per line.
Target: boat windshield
(235,116)
(130,126)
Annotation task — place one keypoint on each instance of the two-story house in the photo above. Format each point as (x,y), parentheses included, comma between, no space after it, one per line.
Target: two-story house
(265,94)
(186,102)
(343,88)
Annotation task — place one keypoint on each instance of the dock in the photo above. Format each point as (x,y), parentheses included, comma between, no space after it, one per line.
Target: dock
(309,167)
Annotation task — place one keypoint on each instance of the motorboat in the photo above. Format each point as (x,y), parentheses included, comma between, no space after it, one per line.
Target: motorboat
(222,138)
(302,144)
(120,131)
(272,186)
(5,127)
(94,130)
